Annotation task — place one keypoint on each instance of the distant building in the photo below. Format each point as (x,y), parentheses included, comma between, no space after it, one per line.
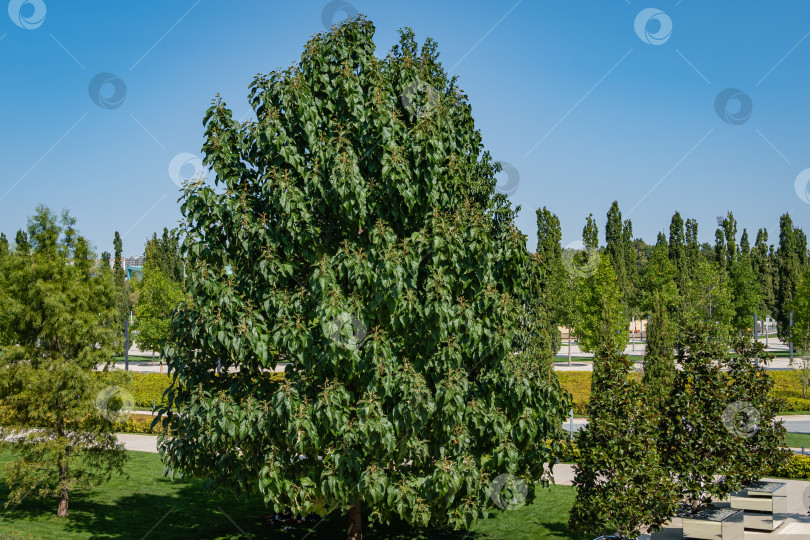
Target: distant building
(133,266)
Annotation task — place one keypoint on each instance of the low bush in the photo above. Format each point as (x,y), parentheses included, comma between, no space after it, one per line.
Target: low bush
(796,468)
(788,388)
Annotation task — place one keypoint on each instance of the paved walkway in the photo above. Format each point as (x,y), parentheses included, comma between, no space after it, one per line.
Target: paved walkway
(583,362)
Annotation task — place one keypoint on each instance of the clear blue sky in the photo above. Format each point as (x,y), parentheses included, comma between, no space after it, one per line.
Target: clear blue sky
(615,117)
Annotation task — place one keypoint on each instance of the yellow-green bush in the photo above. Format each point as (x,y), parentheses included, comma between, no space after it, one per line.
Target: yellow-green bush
(788,388)
(578,384)
(796,468)
(147,386)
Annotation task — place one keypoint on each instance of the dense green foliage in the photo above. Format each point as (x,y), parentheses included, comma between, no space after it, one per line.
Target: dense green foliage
(59,317)
(719,419)
(621,485)
(659,358)
(356,235)
(801,329)
(158,296)
(600,318)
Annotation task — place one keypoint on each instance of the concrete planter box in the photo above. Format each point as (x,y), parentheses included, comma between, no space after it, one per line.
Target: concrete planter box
(715,524)
(765,504)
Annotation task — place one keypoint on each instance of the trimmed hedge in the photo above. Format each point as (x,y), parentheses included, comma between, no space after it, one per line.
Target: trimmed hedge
(786,387)
(147,386)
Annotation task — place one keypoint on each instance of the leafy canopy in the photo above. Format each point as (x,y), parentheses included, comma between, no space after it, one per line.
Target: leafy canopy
(355,235)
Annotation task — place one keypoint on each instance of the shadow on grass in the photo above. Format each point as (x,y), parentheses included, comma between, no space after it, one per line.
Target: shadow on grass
(187,513)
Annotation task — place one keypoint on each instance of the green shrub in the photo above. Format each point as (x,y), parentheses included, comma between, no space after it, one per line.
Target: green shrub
(796,468)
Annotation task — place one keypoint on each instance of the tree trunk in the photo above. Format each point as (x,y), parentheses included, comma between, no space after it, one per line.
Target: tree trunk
(354,524)
(62,510)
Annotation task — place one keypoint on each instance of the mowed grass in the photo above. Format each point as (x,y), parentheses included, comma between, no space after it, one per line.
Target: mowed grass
(797,440)
(147,506)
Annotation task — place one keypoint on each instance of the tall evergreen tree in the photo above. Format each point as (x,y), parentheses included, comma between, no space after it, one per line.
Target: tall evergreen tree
(745,246)
(615,246)
(3,245)
(788,270)
(621,486)
(630,265)
(590,233)
(720,250)
(763,266)
(730,234)
(659,358)
(676,241)
(121,285)
(691,250)
(21,243)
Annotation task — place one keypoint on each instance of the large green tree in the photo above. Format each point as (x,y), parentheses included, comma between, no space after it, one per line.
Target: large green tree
(58,316)
(356,235)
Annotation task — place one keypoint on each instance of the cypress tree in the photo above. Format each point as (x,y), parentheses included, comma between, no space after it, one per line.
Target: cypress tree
(590,233)
(788,272)
(615,245)
(3,245)
(720,250)
(659,358)
(21,243)
(745,247)
(730,234)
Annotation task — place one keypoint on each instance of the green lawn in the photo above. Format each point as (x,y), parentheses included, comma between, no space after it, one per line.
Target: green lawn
(131,508)
(797,440)
(134,358)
